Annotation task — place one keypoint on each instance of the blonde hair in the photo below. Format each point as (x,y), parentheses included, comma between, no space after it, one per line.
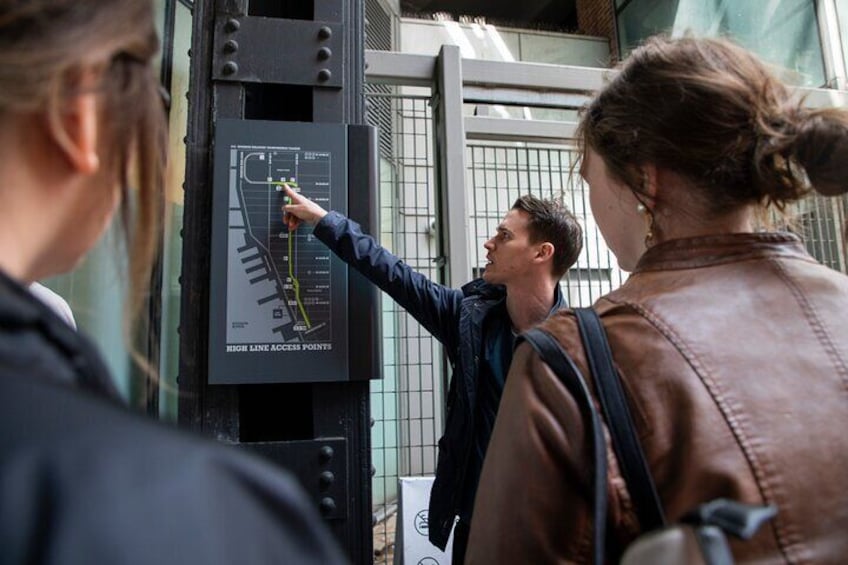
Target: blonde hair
(44,45)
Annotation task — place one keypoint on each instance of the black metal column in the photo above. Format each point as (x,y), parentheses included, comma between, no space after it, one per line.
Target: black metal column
(279,60)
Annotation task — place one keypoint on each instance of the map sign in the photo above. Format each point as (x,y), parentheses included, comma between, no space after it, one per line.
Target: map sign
(278,310)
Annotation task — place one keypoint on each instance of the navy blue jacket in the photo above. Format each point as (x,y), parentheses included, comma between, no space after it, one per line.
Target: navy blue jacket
(84,480)
(454,317)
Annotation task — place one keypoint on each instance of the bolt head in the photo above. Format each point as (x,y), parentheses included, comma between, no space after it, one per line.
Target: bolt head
(230,68)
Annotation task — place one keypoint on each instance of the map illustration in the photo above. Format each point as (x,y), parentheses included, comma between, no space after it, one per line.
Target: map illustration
(278,301)
(278,283)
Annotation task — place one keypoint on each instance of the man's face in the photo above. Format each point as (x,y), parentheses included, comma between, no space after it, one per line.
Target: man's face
(509,252)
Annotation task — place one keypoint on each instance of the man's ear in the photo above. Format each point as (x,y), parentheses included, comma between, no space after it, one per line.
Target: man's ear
(73,127)
(545,251)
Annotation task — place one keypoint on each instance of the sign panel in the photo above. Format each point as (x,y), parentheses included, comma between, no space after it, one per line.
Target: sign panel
(412,546)
(278,300)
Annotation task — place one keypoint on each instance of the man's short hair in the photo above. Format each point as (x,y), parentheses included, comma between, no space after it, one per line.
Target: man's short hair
(552,221)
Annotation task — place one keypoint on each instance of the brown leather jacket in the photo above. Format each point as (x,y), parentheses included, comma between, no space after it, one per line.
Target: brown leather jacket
(733,353)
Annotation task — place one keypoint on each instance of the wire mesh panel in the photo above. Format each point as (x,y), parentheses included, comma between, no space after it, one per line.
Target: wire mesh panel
(820,222)
(406,404)
(498,173)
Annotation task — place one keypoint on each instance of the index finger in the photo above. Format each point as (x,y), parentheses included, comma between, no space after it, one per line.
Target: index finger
(293,194)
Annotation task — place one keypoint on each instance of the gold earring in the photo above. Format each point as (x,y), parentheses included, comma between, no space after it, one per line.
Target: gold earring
(649,220)
(91,162)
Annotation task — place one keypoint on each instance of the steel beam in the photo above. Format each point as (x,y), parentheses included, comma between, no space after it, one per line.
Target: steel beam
(541,131)
(450,148)
(386,67)
(523,97)
(532,76)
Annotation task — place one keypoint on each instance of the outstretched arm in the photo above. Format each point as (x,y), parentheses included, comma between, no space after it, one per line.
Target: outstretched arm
(435,306)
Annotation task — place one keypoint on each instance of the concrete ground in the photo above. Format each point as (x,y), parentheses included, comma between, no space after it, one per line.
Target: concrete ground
(384,540)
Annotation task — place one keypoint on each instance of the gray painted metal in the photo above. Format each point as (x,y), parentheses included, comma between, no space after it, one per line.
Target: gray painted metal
(387,67)
(521,84)
(322,460)
(523,97)
(450,141)
(831,42)
(542,131)
(251,417)
(823,97)
(279,51)
(532,76)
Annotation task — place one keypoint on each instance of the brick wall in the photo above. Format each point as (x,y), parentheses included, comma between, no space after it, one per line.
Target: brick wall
(597,17)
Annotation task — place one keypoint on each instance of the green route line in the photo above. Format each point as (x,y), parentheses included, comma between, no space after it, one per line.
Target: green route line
(295,282)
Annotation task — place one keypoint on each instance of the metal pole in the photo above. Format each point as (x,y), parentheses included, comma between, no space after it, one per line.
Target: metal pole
(450,151)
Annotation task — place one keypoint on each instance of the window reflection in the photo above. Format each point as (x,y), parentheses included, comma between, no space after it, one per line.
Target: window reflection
(784,33)
(172,245)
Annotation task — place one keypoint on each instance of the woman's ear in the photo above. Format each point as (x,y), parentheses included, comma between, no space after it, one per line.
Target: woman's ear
(650,181)
(73,126)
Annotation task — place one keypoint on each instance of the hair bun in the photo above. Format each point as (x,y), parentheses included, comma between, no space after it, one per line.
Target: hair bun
(821,148)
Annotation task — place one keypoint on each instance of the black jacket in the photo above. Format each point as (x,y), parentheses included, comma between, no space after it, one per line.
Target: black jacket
(84,480)
(455,318)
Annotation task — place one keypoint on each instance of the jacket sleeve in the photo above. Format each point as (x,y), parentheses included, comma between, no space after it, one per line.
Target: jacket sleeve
(435,306)
(533,504)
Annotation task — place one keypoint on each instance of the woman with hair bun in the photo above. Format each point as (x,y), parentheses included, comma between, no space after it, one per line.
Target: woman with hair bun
(731,341)
(82,479)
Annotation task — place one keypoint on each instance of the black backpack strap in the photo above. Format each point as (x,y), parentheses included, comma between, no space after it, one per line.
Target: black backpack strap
(557,359)
(625,442)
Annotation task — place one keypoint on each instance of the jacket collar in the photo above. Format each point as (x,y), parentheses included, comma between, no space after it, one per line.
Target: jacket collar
(479,287)
(17,305)
(21,311)
(694,252)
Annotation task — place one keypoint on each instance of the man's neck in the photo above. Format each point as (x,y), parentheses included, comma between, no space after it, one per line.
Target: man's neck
(528,306)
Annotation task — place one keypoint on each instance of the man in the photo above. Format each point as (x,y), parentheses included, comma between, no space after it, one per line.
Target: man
(533,247)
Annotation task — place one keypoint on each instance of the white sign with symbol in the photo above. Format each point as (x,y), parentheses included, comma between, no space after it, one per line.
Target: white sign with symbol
(411,545)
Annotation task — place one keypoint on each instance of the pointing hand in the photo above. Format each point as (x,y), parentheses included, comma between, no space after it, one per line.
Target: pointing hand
(300,209)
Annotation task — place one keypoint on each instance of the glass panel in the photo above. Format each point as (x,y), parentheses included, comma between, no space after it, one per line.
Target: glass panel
(95,291)
(782,32)
(172,253)
(495,43)
(842,19)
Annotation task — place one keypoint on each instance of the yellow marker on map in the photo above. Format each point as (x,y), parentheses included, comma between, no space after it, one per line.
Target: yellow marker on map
(279,184)
(290,184)
(295,282)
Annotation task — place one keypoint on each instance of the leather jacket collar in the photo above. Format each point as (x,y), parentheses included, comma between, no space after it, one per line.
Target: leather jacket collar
(695,252)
